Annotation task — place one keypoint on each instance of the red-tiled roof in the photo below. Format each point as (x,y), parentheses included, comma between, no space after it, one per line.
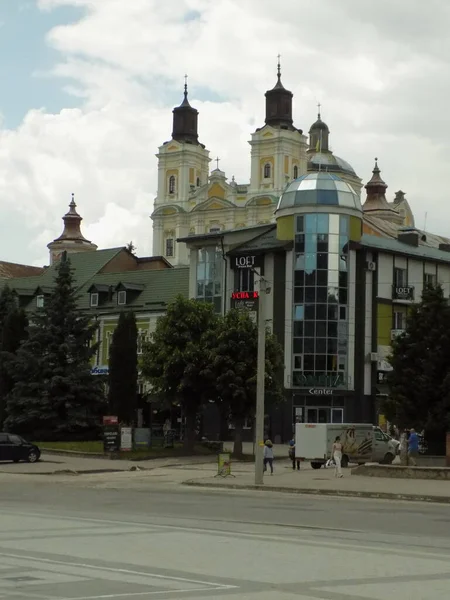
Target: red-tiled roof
(9,270)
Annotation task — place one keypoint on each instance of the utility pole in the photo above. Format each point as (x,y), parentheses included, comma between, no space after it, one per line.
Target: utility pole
(260,377)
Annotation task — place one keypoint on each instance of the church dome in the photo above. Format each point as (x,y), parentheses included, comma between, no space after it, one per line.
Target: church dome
(329,162)
(322,188)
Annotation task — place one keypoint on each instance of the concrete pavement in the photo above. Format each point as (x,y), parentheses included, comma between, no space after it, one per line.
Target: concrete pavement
(62,542)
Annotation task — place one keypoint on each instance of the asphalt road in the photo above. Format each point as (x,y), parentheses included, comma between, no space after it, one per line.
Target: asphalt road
(72,540)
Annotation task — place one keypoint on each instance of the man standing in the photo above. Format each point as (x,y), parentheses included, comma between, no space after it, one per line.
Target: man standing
(413,447)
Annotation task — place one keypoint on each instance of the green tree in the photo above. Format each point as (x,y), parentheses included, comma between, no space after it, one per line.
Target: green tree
(123,369)
(54,394)
(235,352)
(419,382)
(13,330)
(177,359)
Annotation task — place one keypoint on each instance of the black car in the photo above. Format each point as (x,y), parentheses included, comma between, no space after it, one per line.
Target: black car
(15,448)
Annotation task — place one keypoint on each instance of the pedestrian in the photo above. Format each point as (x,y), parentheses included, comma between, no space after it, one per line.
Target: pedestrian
(413,447)
(268,456)
(337,456)
(295,461)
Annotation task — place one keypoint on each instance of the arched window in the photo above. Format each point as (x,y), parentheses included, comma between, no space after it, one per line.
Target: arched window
(295,172)
(267,171)
(172,184)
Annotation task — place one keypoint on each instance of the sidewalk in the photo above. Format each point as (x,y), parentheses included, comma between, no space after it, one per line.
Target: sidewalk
(323,481)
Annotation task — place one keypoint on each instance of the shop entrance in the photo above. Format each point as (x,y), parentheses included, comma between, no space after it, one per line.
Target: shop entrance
(318,414)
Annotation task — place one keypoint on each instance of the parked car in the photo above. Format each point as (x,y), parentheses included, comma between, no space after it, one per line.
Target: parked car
(15,448)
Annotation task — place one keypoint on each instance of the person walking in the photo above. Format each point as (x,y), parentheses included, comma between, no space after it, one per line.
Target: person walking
(337,456)
(295,461)
(268,456)
(413,447)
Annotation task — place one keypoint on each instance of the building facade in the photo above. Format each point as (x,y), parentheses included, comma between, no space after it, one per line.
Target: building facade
(191,200)
(341,276)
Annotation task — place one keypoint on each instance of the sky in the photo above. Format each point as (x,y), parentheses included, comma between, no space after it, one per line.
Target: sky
(87,88)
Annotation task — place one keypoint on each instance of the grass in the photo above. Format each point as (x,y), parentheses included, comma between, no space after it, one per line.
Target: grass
(96,447)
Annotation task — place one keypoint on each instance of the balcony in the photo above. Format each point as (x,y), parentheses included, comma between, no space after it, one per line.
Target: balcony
(395,333)
(403,293)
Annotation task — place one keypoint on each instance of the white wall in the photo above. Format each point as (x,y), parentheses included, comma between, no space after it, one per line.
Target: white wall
(385,273)
(415,277)
(444,278)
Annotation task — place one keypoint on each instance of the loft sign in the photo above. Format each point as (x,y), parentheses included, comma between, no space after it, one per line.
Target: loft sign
(246,261)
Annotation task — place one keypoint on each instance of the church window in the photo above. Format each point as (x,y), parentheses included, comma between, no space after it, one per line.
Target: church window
(198,181)
(169,247)
(267,170)
(295,172)
(172,184)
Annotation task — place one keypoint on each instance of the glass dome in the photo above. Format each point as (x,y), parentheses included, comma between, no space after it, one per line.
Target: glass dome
(322,188)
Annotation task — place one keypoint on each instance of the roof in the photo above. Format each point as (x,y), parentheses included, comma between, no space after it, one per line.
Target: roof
(329,162)
(265,241)
(395,246)
(8,270)
(390,229)
(322,188)
(156,289)
(219,234)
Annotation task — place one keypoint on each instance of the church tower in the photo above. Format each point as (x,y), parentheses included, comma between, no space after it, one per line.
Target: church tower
(183,167)
(71,240)
(278,149)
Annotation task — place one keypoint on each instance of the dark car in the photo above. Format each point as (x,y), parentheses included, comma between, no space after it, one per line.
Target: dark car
(15,448)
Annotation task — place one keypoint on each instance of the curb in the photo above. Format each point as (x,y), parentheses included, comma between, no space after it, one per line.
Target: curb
(325,492)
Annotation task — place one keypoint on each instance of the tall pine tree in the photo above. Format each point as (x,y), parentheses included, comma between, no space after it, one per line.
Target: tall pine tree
(13,330)
(54,394)
(419,382)
(123,369)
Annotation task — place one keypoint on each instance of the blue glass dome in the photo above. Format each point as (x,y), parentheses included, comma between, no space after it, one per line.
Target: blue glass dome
(322,188)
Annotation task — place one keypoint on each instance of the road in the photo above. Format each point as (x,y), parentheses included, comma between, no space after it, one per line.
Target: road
(68,539)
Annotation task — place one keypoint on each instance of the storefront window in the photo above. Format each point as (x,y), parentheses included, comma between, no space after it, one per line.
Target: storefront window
(209,276)
(320,306)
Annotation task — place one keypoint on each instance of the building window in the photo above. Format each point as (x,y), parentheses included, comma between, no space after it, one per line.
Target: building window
(169,247)
(320,301)
(430,279)
(209,276)
(399,319)
(121,297)
(40,301)
(198,181)
(172,184)
(214,229)
(246,280)
(141,340)
(267,170)
(94,299)
(400,277)
(109,338)
(295,172)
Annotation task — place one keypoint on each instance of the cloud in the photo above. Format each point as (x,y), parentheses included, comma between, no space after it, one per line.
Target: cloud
(380,72)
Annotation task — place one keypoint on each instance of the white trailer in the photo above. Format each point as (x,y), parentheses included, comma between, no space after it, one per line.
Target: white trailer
(361,443)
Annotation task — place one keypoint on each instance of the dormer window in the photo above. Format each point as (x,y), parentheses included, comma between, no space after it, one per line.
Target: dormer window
(267,171)
(121,297)
(94,299)
(40,301)
(172,184)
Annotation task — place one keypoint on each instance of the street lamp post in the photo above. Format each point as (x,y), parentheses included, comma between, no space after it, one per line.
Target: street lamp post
(261,368)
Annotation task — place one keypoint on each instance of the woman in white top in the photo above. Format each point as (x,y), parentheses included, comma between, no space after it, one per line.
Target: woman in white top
(268,456)
(337,456)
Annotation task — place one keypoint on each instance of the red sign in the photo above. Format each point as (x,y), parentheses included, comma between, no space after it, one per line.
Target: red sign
(244,295)
(110,420)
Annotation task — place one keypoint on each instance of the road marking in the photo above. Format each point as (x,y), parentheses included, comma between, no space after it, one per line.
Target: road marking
(134,594)
(114,570)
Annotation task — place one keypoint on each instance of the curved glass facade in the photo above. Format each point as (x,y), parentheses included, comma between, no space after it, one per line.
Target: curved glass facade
(320,301)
